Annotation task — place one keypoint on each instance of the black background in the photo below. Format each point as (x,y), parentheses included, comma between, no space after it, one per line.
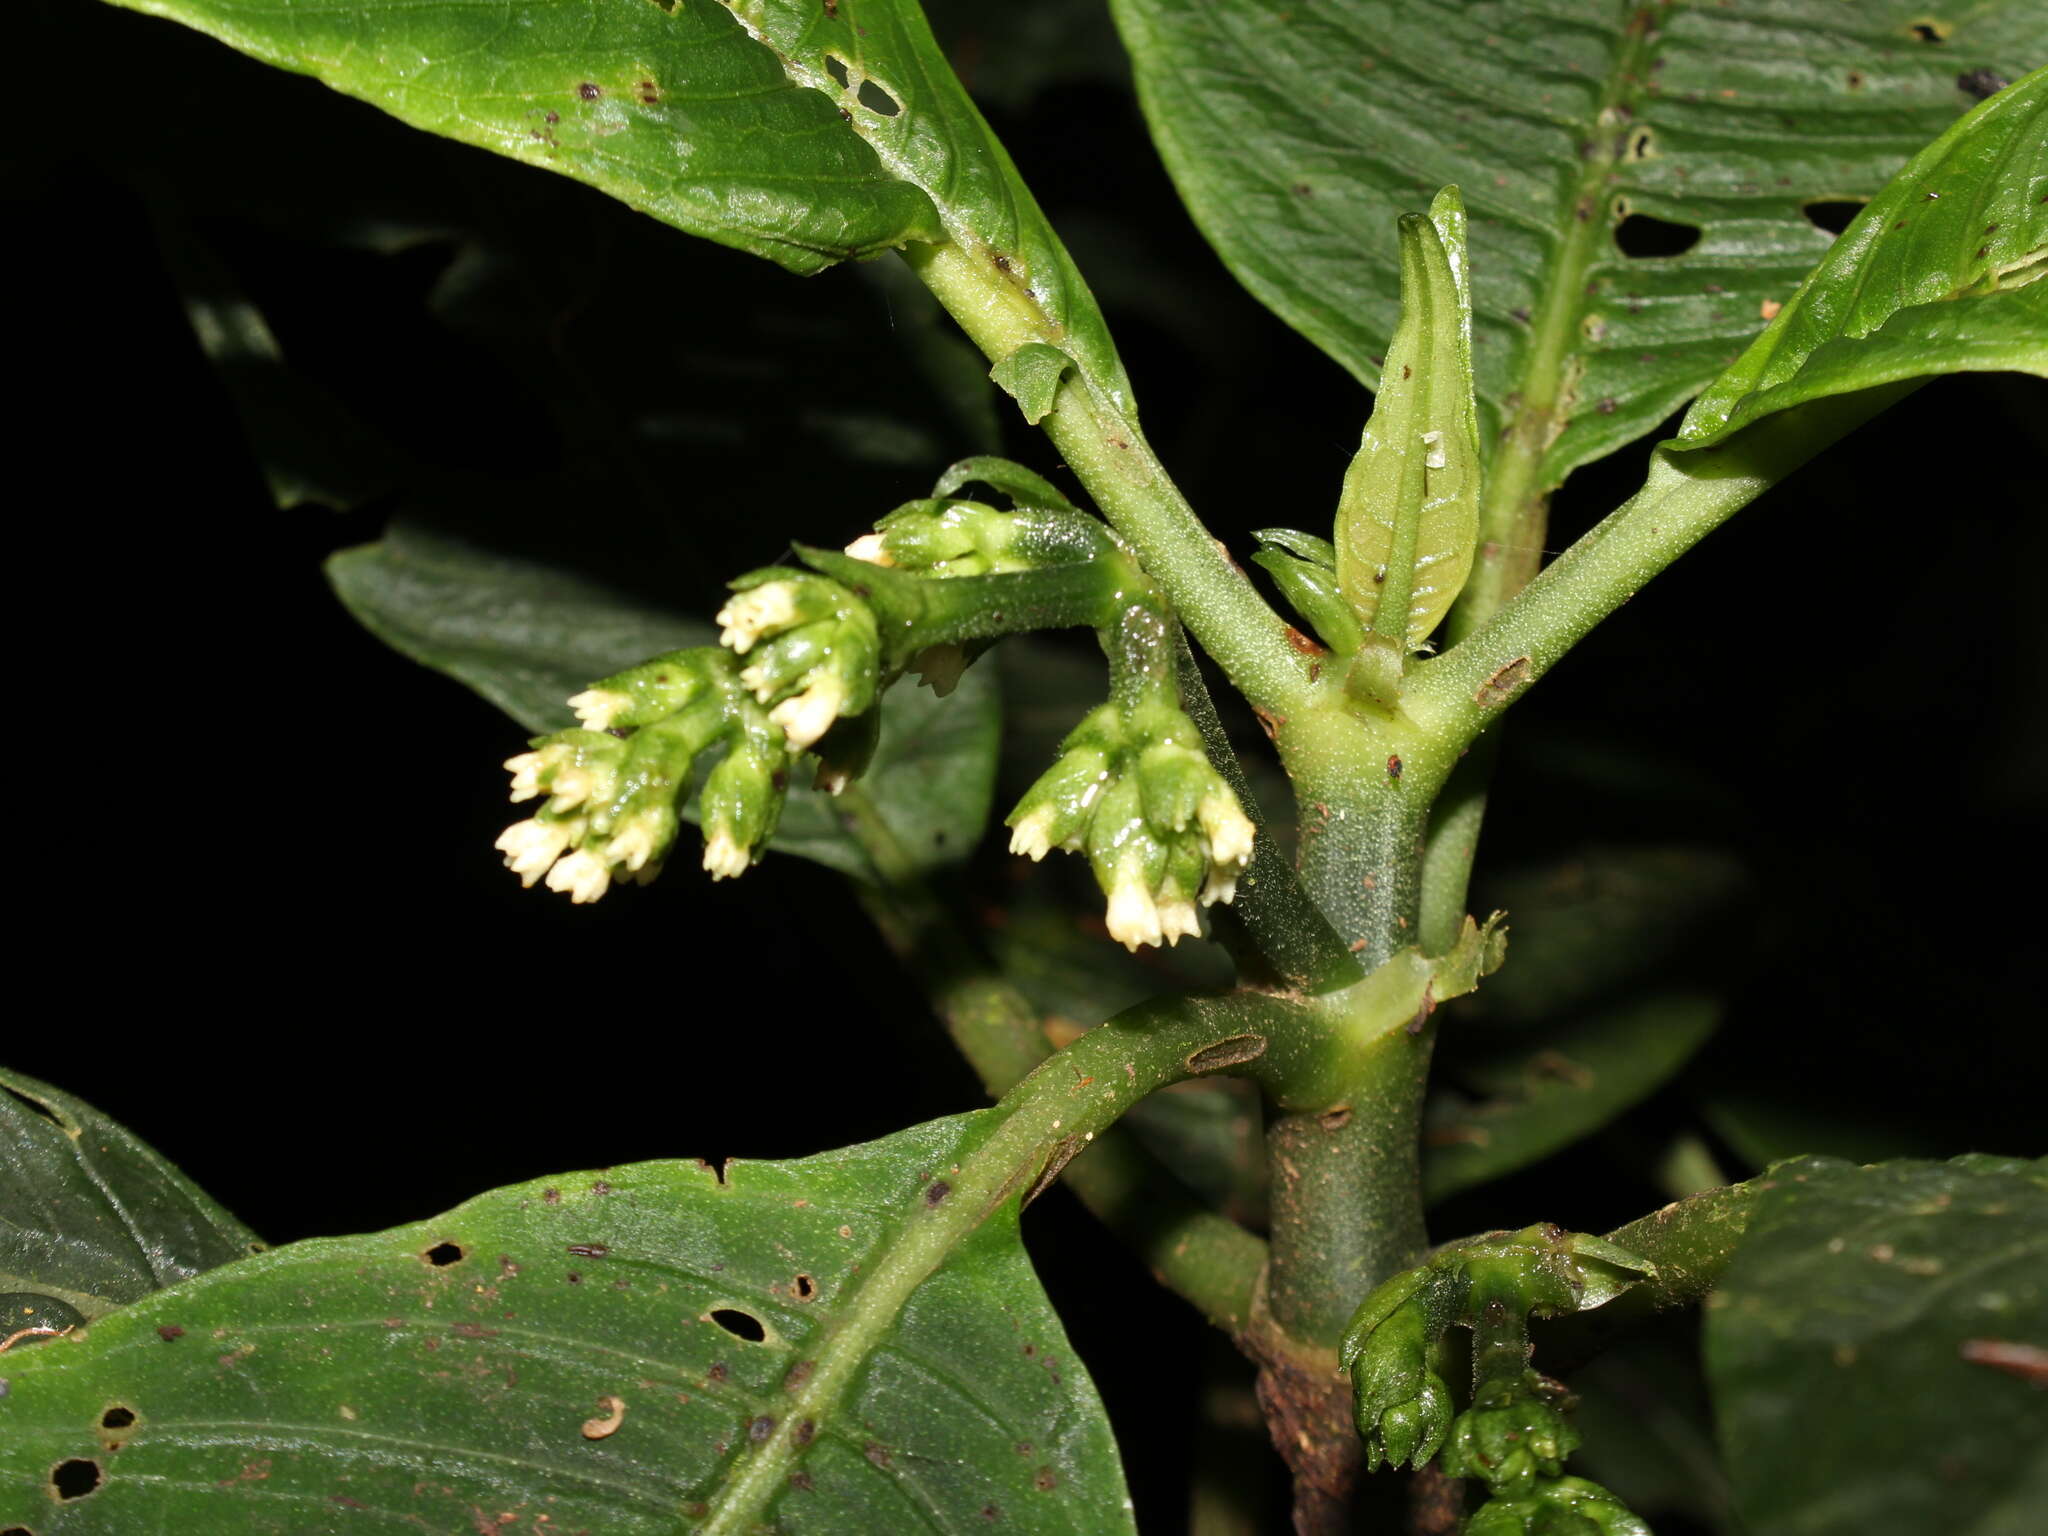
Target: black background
(266,927)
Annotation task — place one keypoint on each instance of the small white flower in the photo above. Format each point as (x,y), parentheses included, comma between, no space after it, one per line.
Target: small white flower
(531,846)
(525,770)
(756,681)
(582,876)
(1178,918)
(1433,450)
(751,614)
(1032,836)
(1230,832)
(1133,919)
(597,708)
(726,859)
(868,547)
(1221,885)
(634,843)
(571,787)
(810,714)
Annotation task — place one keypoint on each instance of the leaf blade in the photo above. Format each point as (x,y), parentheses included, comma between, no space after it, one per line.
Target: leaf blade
(620,1399)
(1840,1350)
(92,1213)
(1938,274)
(1297,139)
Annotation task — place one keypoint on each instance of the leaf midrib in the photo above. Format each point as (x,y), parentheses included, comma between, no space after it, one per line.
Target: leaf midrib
(1513,502)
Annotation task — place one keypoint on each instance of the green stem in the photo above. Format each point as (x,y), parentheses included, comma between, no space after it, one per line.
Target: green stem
(1515,510)
(1104,447)
(1452,844)
(1047,1119)
(1685,496)
(1199,1255)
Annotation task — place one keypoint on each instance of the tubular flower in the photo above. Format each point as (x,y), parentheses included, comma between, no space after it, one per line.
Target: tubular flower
(814,654)
(614,796)
(1161,829)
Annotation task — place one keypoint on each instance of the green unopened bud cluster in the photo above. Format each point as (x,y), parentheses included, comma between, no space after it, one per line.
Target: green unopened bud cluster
(944,537)
(1514,1436)
(1135,792)
(1561,1506)
(612,789)
(813,653)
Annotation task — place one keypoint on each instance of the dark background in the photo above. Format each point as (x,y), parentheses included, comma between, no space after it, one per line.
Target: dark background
(268,928)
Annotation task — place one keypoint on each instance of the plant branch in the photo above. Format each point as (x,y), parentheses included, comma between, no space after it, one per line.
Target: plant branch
(1685,496)
(1103,446)
(1205,1258)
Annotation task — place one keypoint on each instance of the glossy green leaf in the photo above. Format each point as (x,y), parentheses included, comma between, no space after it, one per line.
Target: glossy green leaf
(90,1213)
(1299,134)
(1408,520)
(609,1351)
(801,132)
(1938,274)
(1868,1350)
(526,636)
(1522,1103)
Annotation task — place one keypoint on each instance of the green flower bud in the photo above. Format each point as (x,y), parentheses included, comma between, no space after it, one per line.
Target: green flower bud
(1055,811)
(1509,1442)
(571,768)
(740,804)
(1413,1431)
(643,694)
(1562,1506)
(815,652)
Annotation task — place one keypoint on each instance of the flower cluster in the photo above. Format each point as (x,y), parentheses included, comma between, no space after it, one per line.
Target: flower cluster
(1134,791)
(1514,1437)
(612,789)
(814,653)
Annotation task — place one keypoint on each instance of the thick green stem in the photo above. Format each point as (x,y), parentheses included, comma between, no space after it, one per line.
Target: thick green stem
(1347,1208)
(1104,447)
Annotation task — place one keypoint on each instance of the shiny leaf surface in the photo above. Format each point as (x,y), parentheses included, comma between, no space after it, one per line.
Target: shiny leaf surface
(92,1214)
(1645,183)
(1868,1350)
(604,1351)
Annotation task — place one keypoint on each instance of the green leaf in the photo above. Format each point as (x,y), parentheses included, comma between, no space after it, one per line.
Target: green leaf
(1867,1350)
(90,1213)
(1298,135)
(1032,375)
(1938,274)
(616,1351)
(526,636)
(1534,1100)
(1408,520)
(803,133)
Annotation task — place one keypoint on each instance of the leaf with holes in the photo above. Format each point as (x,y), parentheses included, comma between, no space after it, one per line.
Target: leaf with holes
(90,1213)
(625,1351)
(807,134)
(526,636)
(1639,178)
(1875,1350)
(1938,274)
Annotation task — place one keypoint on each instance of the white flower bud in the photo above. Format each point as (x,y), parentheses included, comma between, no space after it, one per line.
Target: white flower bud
(525,770)
(753,613)
(724,858)
(1133,919)
(531,846)
(634,843)
(597,708)
(1178,918)
(868,547)
(1032,835)
(582,876)
(1230,832)
(810,714)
